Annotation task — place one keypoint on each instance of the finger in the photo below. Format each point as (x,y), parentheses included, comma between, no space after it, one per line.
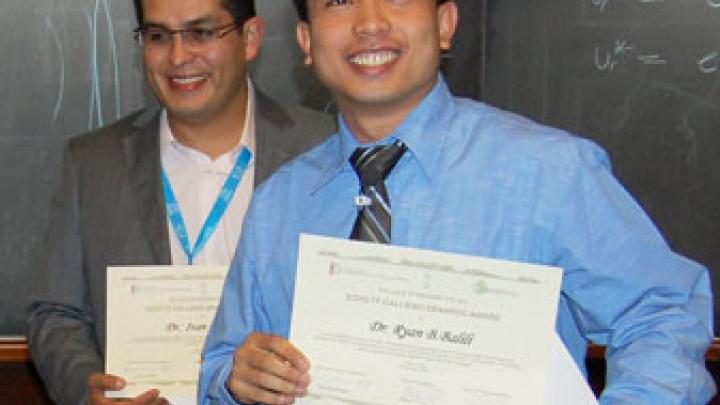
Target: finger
(248,393)
(263,370)
(272,382)
(262,373)
(284,350)
(98,383)
(147,398)
(260,364)
(274,354)
(105,382)
(97,397)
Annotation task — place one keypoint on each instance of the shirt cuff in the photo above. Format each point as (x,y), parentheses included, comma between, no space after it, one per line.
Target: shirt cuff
(223,394)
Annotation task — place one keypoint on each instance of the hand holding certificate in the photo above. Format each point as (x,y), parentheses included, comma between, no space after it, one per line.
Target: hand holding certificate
(391,325)
(157,321)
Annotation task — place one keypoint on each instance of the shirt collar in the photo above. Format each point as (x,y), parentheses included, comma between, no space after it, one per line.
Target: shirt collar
(224,162)
(424,131)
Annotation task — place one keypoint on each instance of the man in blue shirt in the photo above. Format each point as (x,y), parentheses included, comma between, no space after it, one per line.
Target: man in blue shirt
(473,180)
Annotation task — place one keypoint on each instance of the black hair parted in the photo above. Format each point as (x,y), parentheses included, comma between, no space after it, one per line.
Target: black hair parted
(301,8)
(241,10)
(302,11)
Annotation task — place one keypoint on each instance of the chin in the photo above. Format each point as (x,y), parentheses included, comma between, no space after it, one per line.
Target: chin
(378,98)
(187,114)
(186,105)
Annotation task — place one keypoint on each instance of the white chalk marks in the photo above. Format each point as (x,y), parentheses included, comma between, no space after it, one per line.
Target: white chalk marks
(83,55)
(652,41)
(95,109)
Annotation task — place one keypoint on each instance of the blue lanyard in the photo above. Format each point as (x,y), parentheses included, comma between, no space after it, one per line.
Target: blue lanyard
(216,213)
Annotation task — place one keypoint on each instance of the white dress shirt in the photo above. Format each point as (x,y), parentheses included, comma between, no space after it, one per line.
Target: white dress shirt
(196,180)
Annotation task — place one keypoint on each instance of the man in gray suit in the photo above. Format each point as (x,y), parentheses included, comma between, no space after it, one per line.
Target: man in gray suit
(110,208)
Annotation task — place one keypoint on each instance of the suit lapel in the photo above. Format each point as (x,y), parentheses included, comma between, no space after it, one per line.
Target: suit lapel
(142,159)
(271,151)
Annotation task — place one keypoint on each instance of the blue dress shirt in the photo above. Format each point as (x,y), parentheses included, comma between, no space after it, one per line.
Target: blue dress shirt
(480,181)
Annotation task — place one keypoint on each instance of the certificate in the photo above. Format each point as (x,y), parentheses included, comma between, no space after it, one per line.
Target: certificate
(567,384)
(157,320)
(392,325)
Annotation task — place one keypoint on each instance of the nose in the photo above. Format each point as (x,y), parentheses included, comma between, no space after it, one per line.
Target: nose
(180,53)
(371,18)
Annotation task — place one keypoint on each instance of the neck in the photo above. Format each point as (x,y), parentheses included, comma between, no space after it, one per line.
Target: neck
(368,127)
(372,121)
(213,137)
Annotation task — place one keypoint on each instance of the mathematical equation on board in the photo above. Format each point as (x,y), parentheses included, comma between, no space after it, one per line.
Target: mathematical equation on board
(603,4)
(623,51)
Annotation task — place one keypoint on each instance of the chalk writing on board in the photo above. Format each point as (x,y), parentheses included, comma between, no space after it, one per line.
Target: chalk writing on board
(709,63)
(95,114)
(607,59)
(102,61)
(652,59)
(61,82)
(622,51)
(602,4)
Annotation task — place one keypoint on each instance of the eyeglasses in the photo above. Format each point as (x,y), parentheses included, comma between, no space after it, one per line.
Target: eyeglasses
(158,37)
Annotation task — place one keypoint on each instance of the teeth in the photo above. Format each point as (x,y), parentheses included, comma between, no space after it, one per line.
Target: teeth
(374,58)
(188,80)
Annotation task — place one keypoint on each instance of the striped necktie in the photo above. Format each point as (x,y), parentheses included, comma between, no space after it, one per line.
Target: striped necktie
(372,166)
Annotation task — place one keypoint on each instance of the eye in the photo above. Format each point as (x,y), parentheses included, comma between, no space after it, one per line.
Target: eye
(201,34)
(332,3)
(156,36)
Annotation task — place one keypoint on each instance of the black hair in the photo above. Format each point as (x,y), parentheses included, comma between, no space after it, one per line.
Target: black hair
(302,11)
(241,10)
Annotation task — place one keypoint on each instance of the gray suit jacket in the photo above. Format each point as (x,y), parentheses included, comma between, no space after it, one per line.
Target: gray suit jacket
(109,210)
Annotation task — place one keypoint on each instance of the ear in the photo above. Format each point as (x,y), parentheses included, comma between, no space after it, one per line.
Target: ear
(253,31)
(447,23)
(303,37)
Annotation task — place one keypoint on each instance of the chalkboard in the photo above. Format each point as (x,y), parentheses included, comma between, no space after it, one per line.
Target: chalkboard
(67,66)
(71,65)
(642,78)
